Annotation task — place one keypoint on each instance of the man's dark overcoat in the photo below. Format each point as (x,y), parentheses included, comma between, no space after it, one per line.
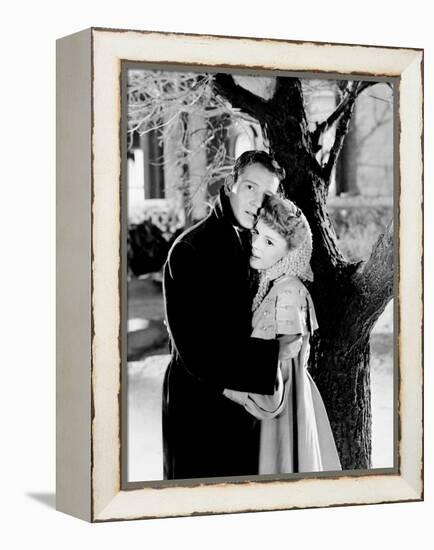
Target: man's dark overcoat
(208,312)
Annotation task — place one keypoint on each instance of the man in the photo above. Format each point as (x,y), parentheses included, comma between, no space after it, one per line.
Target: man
(208,312)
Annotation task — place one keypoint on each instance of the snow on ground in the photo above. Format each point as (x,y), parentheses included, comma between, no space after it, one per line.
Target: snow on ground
(145,381)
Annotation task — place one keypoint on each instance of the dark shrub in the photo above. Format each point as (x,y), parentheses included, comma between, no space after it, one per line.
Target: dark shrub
(146,248)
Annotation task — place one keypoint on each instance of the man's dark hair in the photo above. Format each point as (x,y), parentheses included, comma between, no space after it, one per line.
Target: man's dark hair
(257,157)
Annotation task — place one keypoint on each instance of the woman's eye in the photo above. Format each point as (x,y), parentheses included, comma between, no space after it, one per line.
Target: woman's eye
(269,243)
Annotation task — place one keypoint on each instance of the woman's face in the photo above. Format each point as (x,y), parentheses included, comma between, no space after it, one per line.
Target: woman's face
(268,246)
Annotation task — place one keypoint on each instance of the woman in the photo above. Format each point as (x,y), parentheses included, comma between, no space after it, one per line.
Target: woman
(295,430)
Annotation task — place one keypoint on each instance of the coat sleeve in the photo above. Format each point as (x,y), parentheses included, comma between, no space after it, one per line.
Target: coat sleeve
(262,406)
(290,317)
(204,333)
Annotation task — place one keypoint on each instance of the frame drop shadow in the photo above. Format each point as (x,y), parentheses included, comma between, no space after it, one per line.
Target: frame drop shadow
(48,499)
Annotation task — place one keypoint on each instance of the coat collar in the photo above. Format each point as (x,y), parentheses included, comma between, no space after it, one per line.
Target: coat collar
(223,210)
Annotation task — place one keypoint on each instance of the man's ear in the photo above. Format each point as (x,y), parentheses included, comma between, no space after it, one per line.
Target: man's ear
(229,183)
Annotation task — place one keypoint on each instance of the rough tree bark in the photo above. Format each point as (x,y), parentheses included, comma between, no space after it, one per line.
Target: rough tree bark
(348,297)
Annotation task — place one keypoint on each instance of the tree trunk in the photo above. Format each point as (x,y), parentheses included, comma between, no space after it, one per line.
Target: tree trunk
(343,379)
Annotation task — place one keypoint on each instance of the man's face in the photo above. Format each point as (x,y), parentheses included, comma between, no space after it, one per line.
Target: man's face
(248,192)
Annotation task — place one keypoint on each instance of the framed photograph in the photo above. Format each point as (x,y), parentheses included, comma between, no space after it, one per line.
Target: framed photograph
(239,275)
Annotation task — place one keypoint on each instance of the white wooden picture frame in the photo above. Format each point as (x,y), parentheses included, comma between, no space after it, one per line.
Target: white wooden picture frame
(89,286)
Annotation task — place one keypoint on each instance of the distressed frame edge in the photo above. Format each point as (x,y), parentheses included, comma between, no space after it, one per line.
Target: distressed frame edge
(111,512)
(251,38)
(415,492)
(411,159)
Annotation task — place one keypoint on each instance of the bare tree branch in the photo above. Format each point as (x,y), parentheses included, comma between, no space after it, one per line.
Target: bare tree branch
(379,122)
(343,121)
(322,127)
(239,97)
(362,139)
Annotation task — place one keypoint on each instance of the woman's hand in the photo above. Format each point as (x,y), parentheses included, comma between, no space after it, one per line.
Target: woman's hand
(289,346)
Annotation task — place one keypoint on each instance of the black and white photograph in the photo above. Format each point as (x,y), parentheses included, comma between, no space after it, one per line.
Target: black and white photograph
(217,294)
(259,314)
